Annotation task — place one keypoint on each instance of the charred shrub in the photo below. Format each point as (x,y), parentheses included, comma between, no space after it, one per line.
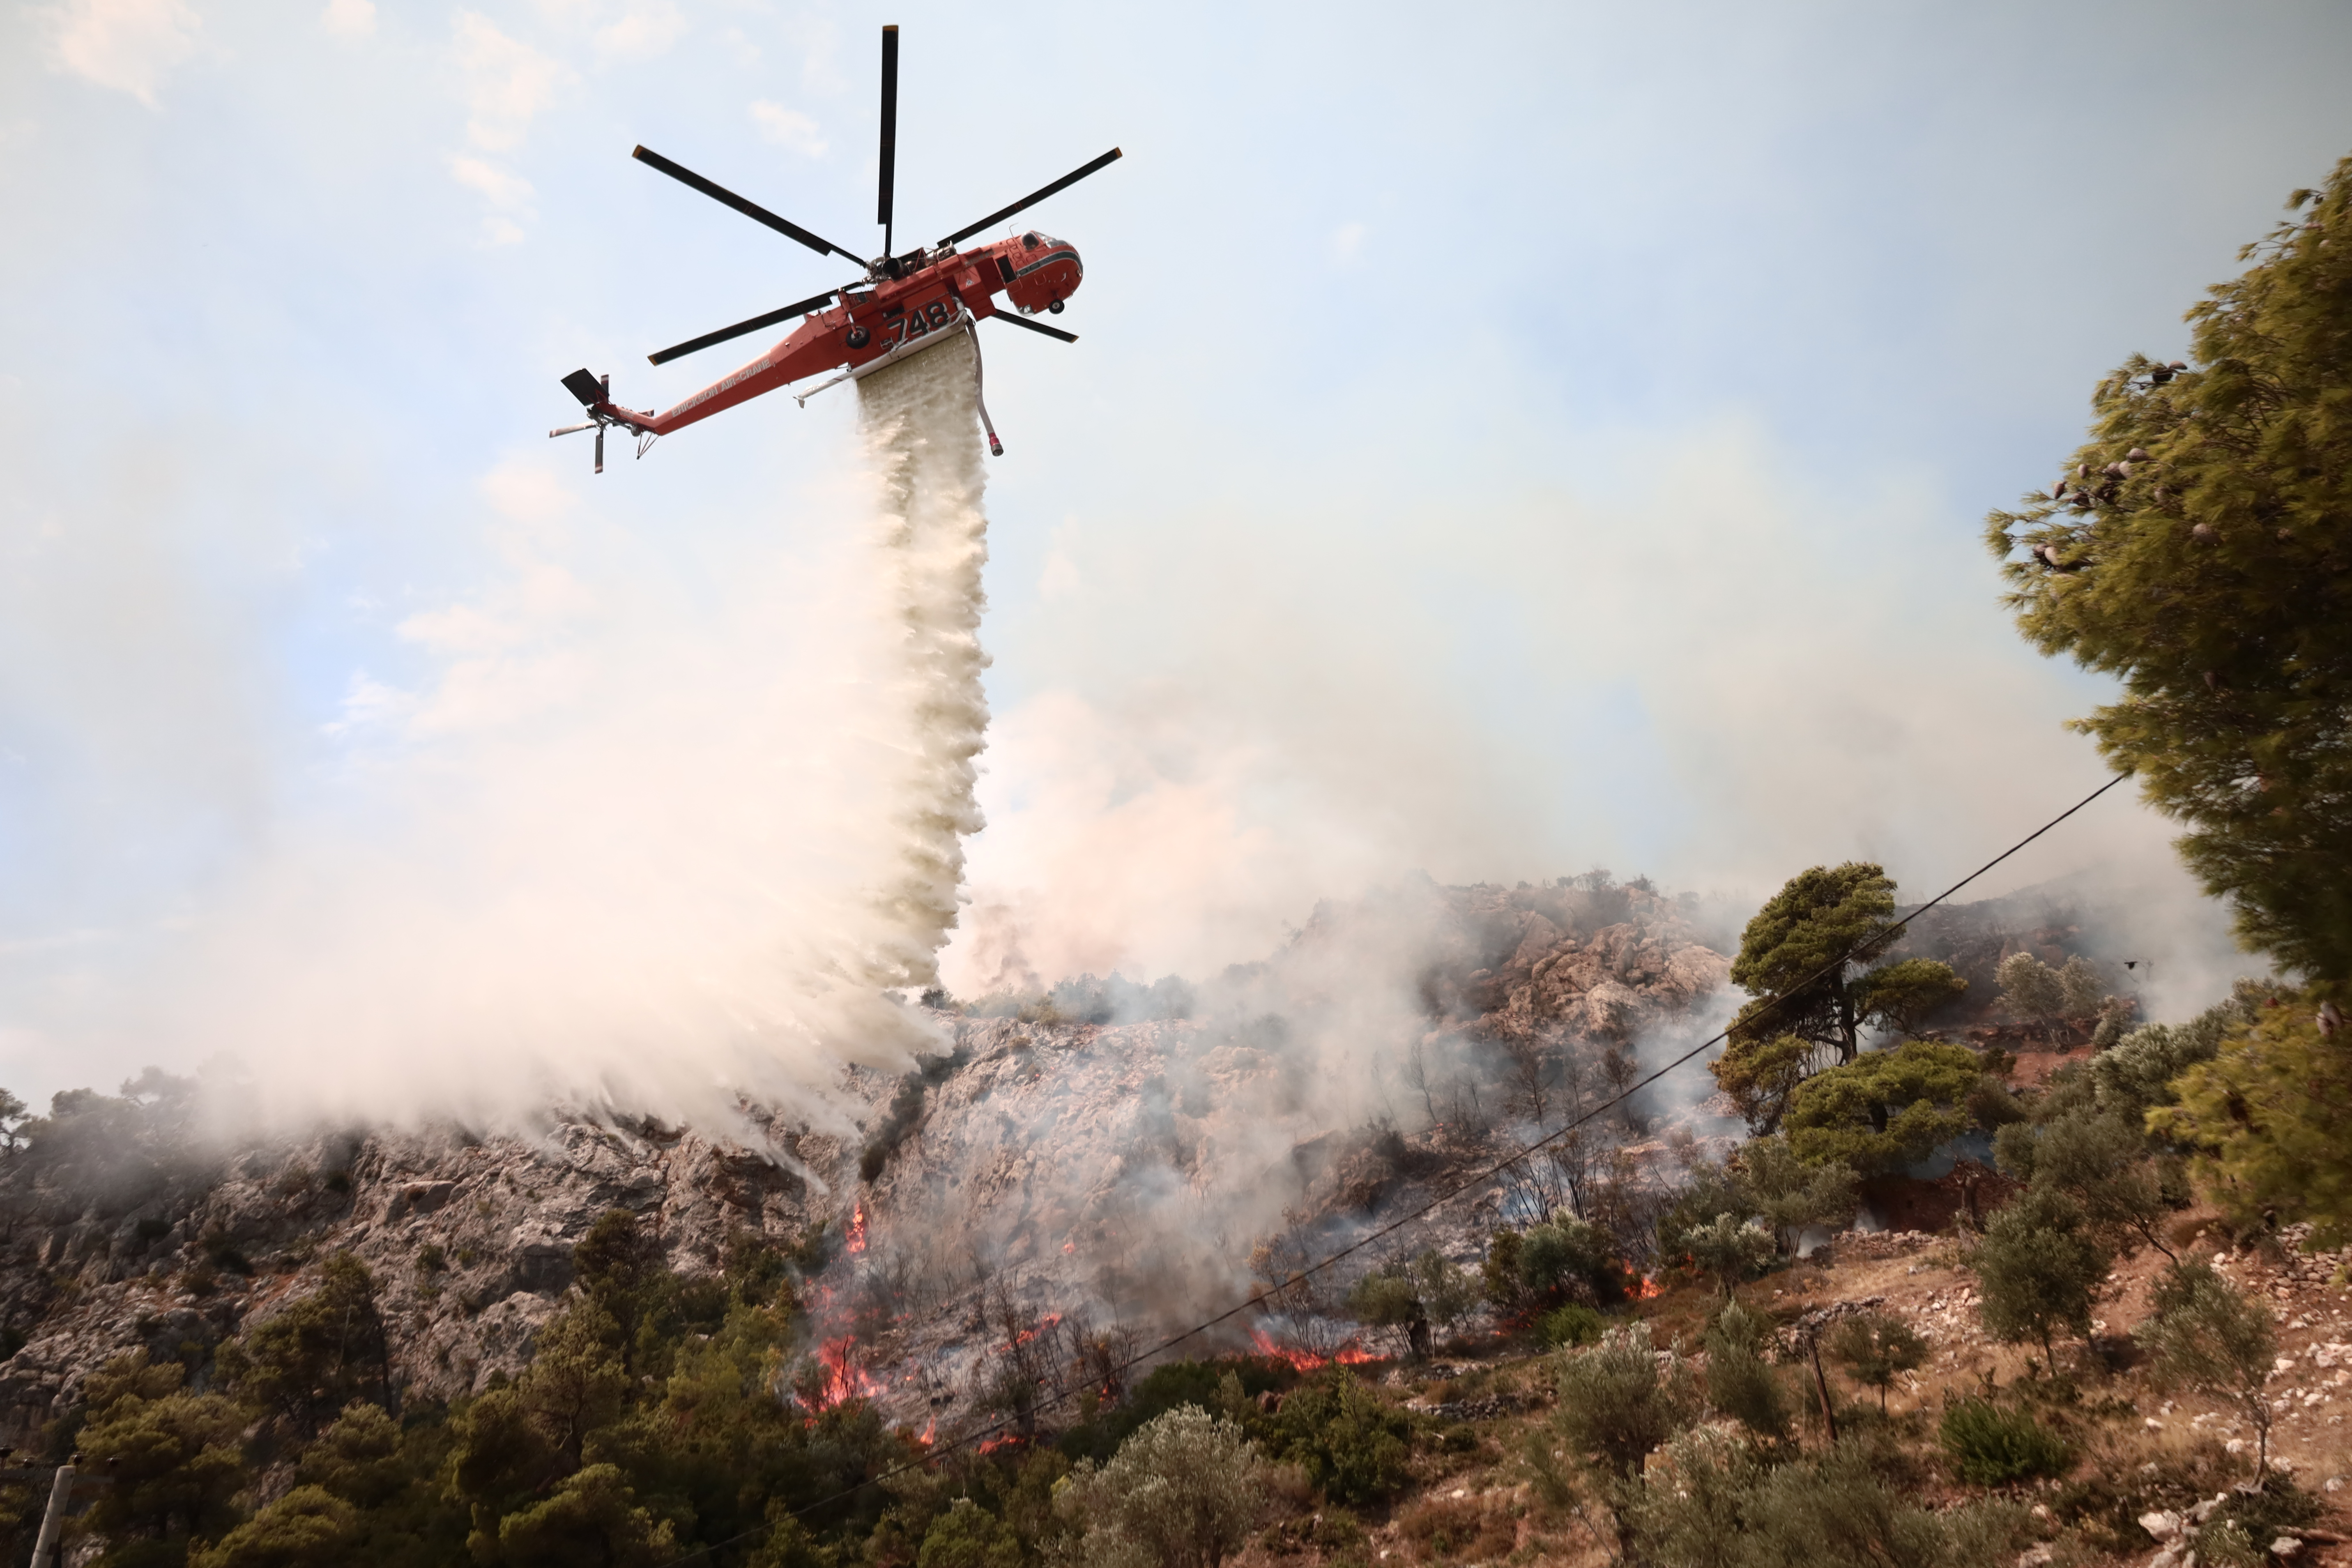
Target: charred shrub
(1992,1445)
(222,1252)
(1087,1000)
(905,1111)
(1412,1297)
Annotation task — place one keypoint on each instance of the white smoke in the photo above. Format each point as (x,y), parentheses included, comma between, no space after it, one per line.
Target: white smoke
(634,843)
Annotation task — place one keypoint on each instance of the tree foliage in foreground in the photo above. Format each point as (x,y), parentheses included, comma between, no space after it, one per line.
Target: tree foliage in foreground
(2198,547)
(2271,1116)
(1810,959)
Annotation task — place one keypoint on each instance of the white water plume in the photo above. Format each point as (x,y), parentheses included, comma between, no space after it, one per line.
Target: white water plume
(925,449)
(635,844)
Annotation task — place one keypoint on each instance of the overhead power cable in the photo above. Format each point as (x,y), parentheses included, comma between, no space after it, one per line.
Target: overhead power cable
(1478,1179)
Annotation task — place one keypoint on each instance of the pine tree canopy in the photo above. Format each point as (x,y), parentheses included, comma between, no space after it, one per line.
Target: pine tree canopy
(2197,547)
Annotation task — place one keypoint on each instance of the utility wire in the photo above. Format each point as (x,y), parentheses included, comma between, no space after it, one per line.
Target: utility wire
(1448,1195)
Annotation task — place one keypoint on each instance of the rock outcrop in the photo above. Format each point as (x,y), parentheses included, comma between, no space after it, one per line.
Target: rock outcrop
(1120,1168)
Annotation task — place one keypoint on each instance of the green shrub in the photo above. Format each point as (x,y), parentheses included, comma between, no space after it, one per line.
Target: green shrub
(307,1525)
(1574,1324)
(1574,1258)
(317,1354)
(1883,1110)
(1170,1386)
(1738,1382)
(1876,1349)
(2038,1265)
(1712,1504)
(1992,1446)
(176,1458)
(1617,1403)
(969,1536)
(2244,1523)
(1729,1248)
(1350,1442)
(1184,1492)
(1414,1296)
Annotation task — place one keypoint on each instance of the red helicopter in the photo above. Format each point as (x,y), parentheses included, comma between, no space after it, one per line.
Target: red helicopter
(903,303)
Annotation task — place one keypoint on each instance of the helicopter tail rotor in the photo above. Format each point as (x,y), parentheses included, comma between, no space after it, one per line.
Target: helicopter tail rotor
(595,396)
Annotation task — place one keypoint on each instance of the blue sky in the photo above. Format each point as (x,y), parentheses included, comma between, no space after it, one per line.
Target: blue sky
(1501,442)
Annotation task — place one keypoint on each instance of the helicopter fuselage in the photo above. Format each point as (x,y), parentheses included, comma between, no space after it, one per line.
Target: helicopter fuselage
(1034,271)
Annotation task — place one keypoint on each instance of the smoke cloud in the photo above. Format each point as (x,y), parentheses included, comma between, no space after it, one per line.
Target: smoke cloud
(628,844)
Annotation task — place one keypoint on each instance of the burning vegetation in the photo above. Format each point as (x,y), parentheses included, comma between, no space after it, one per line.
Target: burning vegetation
(1543,1366)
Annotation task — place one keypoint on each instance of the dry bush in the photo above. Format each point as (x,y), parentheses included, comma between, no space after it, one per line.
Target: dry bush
(1463,1529)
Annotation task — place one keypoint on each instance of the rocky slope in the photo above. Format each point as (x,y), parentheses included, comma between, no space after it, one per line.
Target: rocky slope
(1073,1156)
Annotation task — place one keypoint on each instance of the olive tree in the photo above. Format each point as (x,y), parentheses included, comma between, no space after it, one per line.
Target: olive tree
(2205,1333)
(1185,1491)
(2037,1267)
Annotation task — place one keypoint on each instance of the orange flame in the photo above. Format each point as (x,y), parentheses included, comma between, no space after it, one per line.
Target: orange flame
(930,1430)
(844,1378)
(1025,1335)
(1647,1289)
(1002,1440)
(857,1227)
(1349,1354)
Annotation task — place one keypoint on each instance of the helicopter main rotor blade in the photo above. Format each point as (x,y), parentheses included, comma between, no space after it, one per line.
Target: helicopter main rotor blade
(1031,200)
(1008,316)
(753,210)
(889,130)
(799,308)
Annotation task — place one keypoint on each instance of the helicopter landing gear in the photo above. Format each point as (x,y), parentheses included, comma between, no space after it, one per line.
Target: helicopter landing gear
(1056,307)
(858,337)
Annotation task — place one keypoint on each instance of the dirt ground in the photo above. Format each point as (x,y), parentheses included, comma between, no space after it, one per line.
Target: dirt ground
(1474,1501)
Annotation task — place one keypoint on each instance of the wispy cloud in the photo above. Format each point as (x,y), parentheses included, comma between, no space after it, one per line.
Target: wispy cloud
(1347,243)
(644,31)
(508,193)
(788,128)
(127,44)
(348,18)
(506,82)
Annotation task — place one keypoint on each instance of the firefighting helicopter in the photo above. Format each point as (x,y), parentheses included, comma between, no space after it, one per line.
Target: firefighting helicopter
(903,304)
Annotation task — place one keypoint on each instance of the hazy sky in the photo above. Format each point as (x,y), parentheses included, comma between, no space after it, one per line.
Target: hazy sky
(1504,440)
